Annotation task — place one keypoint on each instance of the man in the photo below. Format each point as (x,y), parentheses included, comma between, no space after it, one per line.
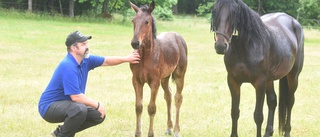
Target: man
(64,99)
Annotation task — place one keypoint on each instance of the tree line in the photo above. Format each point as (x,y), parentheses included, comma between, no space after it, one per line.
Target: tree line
(306,11)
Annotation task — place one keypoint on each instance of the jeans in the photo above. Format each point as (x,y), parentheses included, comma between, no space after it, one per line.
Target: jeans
(76,117)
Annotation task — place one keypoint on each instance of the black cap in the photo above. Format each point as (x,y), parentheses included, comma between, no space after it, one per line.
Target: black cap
(76,37)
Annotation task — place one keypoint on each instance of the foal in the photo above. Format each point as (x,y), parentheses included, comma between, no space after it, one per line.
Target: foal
(162,57)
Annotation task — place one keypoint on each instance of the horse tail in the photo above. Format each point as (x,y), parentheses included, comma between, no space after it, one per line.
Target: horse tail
(283,82)
(297,28)
(283,88)
(173,79)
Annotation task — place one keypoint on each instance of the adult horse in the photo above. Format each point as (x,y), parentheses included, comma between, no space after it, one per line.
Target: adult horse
(162,57)
(266,49)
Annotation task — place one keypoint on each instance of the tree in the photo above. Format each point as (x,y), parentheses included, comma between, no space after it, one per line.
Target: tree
(306,11)
(309,12)
(71,8)
(105,6)
(60,5)
(30,5)
(190,6)
(163,9)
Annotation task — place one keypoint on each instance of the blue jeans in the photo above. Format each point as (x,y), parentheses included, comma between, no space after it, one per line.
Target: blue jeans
(76,117)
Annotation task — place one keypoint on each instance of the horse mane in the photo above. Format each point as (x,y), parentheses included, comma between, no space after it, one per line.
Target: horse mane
(250,23)
(241,18)
(217,11)
(145,8)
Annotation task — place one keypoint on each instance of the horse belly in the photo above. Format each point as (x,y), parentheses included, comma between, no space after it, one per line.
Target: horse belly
(280,67)
(282,57)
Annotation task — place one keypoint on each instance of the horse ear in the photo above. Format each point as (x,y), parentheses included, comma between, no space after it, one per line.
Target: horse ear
(134,7)
(152,6)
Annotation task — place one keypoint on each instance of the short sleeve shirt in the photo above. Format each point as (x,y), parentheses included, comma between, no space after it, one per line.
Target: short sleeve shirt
(69,78)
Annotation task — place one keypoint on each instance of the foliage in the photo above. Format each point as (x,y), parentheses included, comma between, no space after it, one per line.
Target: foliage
(309,12)
(205,8)
(190,6)
(162,8)
(288,6)
(163,13)
(306,11)
(8,13)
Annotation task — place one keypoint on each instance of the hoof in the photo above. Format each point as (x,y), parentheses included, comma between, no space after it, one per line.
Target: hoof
(169,132)
(287,135)
(150,135)
(176,135)
(268,134)
(137,135)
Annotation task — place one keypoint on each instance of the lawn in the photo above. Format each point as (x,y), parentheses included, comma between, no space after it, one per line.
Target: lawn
(30,50)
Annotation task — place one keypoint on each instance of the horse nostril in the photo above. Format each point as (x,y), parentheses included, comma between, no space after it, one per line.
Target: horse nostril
(220,47)
(135,44)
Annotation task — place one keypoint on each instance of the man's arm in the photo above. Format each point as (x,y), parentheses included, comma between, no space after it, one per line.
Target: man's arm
(134,57)
(81,98)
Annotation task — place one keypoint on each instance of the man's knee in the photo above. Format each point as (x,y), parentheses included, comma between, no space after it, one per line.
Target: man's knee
(99,120)
(77,110)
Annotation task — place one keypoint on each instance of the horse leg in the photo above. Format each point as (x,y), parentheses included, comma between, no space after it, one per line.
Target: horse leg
(272,104)
(168,98)
(139,106)
(234,88)
(260,86)
(292,87)
(179,79)
(290,103)
(152,108)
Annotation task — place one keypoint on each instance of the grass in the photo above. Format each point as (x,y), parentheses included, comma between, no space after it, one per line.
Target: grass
(31,48)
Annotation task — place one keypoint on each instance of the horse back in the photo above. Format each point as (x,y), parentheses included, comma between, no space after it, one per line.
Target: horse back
(173,47)
(285,29)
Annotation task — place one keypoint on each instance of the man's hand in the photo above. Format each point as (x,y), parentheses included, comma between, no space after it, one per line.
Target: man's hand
(81,98)
(102,110)
(134,57)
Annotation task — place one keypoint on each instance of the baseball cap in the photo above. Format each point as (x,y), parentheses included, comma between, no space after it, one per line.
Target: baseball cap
(76,37)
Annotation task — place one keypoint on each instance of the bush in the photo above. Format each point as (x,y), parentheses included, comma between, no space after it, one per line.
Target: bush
(163,14)
(158,13)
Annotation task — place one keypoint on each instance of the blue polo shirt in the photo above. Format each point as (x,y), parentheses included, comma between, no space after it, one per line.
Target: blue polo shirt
(69,78)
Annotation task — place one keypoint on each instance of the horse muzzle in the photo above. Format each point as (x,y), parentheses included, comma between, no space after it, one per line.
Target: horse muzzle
(135,44)
(220,47)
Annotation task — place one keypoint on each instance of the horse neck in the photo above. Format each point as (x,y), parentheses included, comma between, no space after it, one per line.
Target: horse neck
(147,46)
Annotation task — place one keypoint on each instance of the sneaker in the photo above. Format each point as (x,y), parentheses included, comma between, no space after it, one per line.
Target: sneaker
(56,132)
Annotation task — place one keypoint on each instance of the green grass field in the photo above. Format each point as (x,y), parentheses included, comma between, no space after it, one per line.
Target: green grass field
(30,50)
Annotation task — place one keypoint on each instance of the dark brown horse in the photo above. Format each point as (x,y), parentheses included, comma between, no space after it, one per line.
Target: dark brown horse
(266,49)
(162,56)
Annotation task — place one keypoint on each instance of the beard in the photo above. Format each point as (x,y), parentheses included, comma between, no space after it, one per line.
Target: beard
(86,54)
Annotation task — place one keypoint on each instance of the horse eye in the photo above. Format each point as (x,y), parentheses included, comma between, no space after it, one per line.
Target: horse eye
(147,22)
